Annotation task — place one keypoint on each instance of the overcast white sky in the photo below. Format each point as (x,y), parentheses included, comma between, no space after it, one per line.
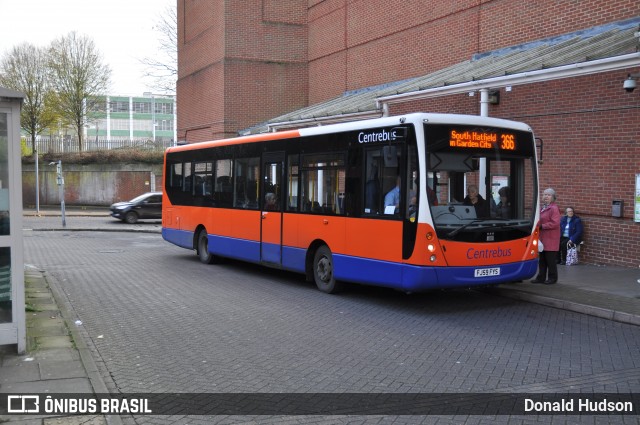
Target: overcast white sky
(121,29)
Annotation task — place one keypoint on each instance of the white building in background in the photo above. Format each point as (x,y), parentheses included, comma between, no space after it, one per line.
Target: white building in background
(149,117)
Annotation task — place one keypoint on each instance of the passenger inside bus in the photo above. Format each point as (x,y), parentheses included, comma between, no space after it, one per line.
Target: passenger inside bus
(270,202)
(503,209)
(479,204)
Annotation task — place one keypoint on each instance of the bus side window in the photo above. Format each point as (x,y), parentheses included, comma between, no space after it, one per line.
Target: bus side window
(246,183)
(187,177)
(380,187)
(292,183)
(323,179)
(223,189)
(175,177)
(202,172)
(373,195)
(372,190)
(411,182)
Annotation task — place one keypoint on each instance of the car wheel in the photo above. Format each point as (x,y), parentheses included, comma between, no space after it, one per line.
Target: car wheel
(323,271)
(131,217)
(203,248)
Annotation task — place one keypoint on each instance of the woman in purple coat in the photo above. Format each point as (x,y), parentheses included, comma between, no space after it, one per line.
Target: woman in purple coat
(550,238)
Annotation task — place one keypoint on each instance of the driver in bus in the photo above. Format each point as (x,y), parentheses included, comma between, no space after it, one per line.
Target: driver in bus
(392,198)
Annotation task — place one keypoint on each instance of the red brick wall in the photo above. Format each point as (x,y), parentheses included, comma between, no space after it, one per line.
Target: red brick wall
(379,41)
(240,63)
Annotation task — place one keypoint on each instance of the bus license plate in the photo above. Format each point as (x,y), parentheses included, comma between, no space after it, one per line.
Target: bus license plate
(487,272)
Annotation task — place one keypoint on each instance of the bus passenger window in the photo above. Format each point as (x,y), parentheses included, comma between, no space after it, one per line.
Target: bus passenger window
(381,191)
(372,191)
(412,185)
(246,183)
(292,183)
(223,190)
(175,176)
(187,177)
(323,179)
(203,178)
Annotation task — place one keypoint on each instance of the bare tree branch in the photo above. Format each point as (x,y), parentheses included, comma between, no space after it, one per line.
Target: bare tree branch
(79,74)
(162,70)
(25,69)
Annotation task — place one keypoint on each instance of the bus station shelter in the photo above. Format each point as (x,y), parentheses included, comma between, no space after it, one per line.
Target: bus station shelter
(12,295)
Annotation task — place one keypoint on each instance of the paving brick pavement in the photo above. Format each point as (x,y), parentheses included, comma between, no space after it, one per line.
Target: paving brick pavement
(57,360)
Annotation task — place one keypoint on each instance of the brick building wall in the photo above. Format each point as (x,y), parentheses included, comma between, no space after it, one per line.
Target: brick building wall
(250,62)
(358,43)
(239,64)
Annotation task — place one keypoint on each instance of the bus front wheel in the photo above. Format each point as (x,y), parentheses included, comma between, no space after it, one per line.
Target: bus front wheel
(323,271)
(203,248)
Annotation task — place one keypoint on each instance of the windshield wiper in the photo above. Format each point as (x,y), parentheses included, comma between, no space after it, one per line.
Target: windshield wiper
(461,228)
(486,226)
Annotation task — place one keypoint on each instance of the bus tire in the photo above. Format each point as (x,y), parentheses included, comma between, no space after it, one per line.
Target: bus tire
(202,248)
(323,271)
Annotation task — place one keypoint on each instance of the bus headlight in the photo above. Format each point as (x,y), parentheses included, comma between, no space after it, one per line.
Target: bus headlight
(431,247)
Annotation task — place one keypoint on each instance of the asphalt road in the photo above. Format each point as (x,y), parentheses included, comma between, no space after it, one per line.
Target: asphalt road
(157,320)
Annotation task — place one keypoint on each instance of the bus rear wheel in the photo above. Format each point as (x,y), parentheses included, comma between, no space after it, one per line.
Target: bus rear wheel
(323,271)
(203,248)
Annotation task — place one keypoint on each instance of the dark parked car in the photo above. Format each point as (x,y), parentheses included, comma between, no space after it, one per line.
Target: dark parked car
(144,206)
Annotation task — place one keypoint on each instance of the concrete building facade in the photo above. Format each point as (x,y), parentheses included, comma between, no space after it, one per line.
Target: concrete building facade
(239,67)
(146,117)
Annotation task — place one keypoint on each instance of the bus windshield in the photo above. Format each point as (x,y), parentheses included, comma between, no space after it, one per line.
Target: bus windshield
(481,181)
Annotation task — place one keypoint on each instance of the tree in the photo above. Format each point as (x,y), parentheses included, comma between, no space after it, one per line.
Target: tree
(163,69)
(78,74)
(25,69)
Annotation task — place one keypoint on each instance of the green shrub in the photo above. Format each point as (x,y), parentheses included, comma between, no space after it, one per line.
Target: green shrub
(132,155)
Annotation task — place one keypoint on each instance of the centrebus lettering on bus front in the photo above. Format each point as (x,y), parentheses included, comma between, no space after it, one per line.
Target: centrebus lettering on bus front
(313,201)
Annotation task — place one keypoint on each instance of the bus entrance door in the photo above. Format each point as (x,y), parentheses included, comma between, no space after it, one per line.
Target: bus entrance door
(271,214)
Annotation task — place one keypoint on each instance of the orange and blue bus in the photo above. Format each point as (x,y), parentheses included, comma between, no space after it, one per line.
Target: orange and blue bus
(379,202)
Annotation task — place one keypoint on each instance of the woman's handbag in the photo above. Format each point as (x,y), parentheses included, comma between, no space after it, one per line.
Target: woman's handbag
(572,254)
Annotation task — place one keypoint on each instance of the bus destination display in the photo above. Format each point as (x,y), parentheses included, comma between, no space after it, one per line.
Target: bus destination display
(479,139)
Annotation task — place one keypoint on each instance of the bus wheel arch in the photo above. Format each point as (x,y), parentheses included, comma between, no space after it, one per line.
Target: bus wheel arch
(319,267)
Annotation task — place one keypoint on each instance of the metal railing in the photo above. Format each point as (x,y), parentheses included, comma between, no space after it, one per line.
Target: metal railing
(70,144)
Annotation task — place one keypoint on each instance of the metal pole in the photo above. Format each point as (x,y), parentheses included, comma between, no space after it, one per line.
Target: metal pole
(61,191)
(484,112)
(35,152)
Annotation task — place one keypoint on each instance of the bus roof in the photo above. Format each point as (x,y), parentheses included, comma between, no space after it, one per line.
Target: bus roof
(418,117)
(237,140)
